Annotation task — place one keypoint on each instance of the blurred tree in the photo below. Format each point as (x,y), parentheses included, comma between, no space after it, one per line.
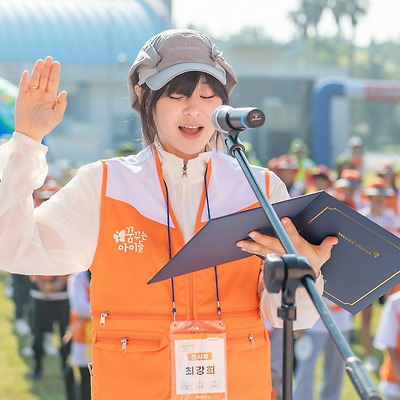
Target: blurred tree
(348,9)
(378,123)
(306,18)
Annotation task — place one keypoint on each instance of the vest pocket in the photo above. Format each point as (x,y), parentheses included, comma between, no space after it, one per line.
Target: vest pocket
(127,365)
(249,366)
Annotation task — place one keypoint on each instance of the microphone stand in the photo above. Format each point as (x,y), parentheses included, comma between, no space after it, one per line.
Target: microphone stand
(285,274)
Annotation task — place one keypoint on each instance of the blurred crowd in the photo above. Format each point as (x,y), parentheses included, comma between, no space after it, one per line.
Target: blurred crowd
(375,194)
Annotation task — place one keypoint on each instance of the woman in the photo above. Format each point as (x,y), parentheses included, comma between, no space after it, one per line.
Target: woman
(125,217)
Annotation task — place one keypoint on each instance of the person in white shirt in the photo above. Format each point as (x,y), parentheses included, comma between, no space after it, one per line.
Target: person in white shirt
(387,338)
(176,82)
(376,192)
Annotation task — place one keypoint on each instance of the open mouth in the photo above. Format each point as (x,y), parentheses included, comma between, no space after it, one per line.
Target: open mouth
(191,130)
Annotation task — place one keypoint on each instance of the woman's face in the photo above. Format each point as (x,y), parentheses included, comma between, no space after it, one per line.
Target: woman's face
(184,123)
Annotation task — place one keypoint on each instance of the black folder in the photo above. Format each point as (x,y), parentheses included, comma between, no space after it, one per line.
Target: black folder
(364,265)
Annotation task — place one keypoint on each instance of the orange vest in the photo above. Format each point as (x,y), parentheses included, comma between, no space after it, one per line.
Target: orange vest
(78,326)
(386,371)
(130,339)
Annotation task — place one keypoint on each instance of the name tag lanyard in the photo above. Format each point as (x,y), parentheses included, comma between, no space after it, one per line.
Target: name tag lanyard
(198,348)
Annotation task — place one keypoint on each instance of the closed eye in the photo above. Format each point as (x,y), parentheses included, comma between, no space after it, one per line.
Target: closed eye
(176,97)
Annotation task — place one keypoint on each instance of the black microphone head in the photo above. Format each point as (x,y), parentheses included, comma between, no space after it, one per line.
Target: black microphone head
(253,118)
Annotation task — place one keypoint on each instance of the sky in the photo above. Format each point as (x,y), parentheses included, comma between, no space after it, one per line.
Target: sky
(224,17)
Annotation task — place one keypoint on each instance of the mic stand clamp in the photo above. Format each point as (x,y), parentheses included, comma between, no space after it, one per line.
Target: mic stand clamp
(286,273)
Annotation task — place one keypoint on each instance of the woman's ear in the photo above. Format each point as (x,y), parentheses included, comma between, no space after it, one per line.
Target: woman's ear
(139,93)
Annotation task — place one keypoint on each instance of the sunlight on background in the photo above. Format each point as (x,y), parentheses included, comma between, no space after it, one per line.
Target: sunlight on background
(224,17)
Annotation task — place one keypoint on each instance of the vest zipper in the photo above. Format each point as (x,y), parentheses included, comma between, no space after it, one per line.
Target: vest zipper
(251,338)
(125,341)
(184,183)
(103,319)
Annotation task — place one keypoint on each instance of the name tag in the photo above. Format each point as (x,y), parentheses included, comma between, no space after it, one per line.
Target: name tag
(198,357)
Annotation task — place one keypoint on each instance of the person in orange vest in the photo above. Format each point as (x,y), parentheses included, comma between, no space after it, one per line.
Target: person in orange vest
(387,339)
(299,150)
(348,188)
(388,172)
(376,191)
(321,179)
(355,150)
(78,332)
(199,334)
(285,167)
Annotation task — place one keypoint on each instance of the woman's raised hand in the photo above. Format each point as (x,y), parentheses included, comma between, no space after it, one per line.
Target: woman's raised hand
(38,108)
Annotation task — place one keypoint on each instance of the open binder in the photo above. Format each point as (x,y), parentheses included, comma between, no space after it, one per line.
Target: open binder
(364,265)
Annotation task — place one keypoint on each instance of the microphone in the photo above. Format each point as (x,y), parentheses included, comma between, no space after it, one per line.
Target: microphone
(226,119)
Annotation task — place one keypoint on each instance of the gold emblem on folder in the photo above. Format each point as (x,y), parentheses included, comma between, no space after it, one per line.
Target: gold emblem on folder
(375,253)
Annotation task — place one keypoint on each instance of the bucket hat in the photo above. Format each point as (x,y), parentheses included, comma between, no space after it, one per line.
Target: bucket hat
(378,187)
(173,52)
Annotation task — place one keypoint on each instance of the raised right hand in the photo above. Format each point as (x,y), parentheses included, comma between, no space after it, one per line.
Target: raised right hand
(38,108)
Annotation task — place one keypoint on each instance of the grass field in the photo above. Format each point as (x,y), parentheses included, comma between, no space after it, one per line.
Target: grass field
(15,368)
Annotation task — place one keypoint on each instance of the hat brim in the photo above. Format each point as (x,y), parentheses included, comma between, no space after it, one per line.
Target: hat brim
(373,191)
(225,75)
(346,183)
(158,80)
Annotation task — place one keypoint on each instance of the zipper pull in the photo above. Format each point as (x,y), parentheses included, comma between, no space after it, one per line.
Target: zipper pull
(103,319)
(184,173)
(124,340)
(251,338)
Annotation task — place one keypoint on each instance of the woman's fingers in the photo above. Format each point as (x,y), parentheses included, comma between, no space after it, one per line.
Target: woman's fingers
(61,104)
(45,74)
(263,245)
(326,246)
(24,82)
(35,76)
(54,78)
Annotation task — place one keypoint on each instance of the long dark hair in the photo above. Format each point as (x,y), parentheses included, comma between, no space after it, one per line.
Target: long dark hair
(184,84)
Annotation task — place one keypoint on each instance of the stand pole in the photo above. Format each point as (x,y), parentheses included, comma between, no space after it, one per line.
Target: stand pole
(285,274)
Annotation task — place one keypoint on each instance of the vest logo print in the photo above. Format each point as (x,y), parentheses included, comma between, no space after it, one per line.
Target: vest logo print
(129,239)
